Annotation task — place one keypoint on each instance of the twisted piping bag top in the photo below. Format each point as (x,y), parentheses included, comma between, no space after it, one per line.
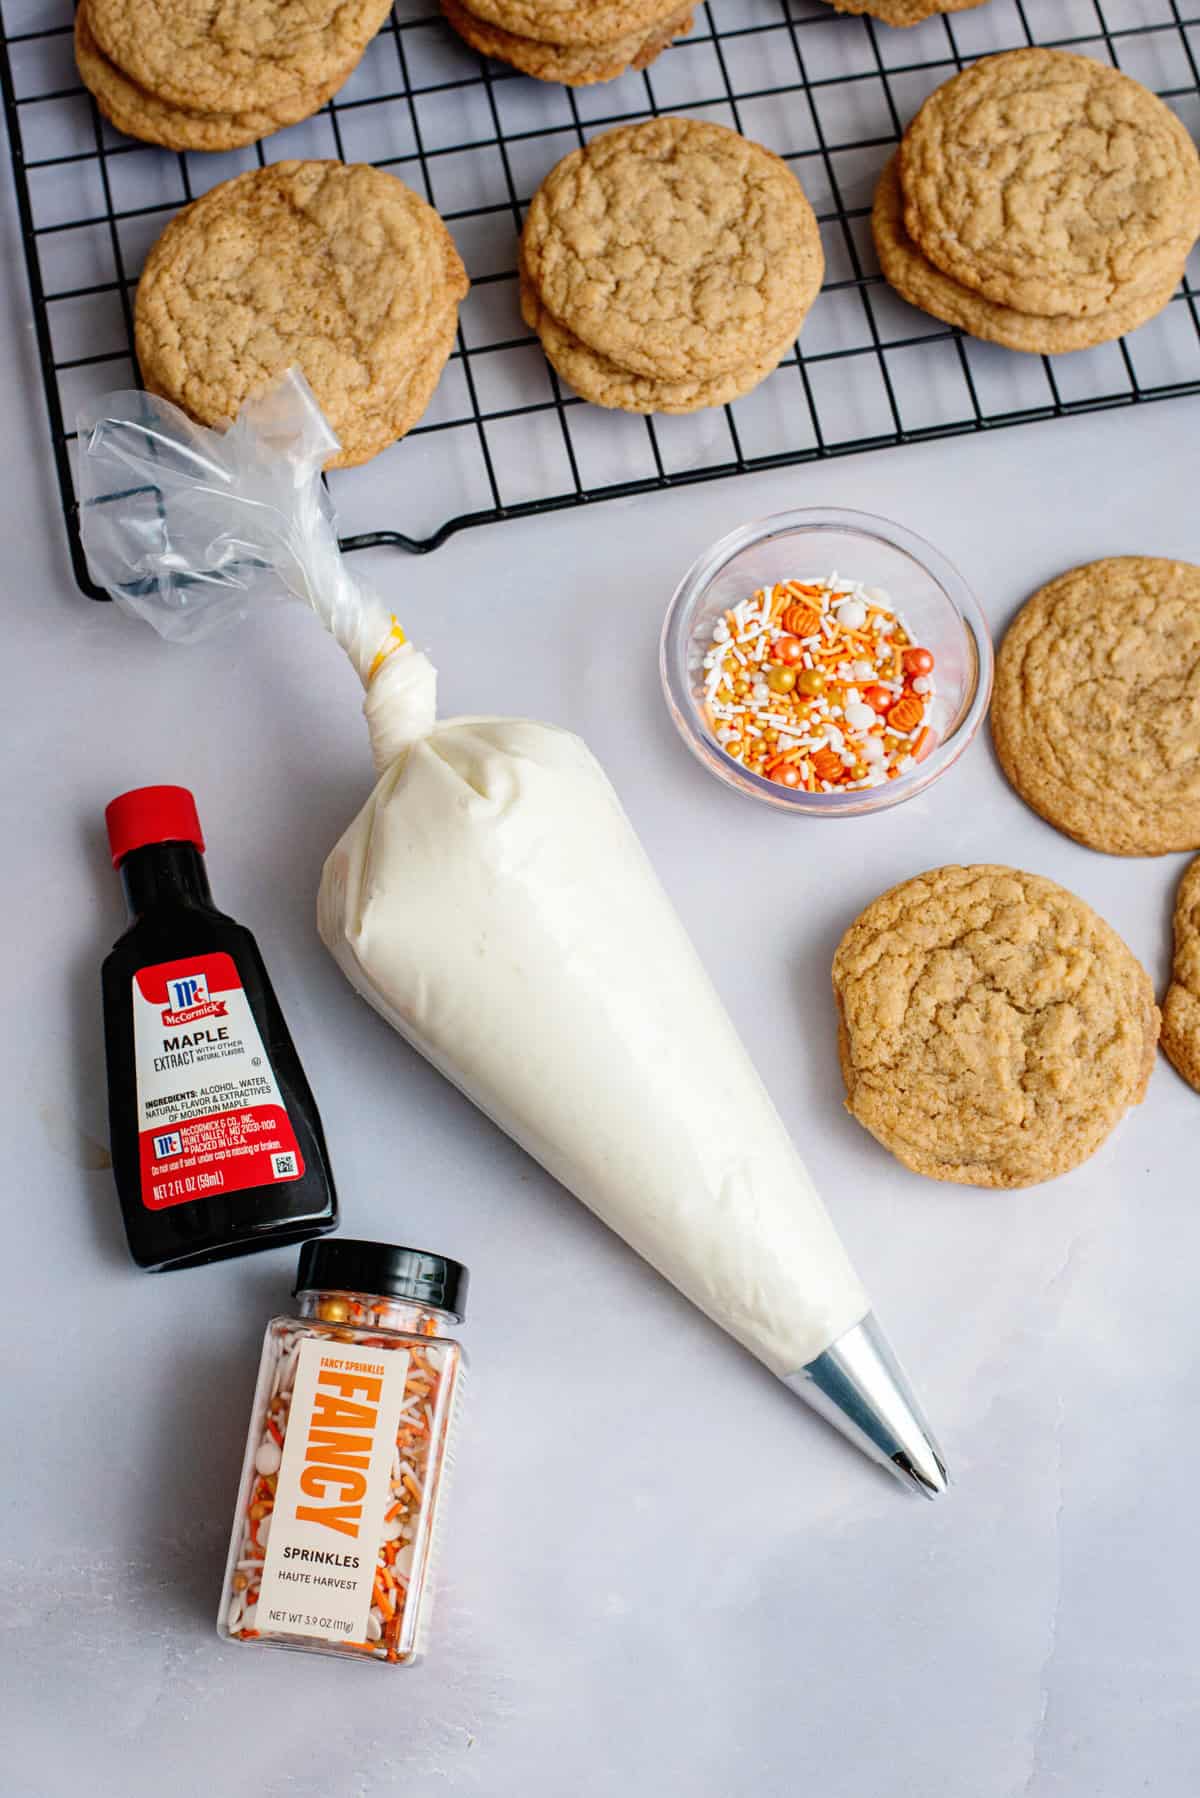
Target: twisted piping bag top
(401,702)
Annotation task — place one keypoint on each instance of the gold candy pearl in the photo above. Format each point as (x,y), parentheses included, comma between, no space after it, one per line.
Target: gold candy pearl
(781,680)
(333,1311)
(810,682)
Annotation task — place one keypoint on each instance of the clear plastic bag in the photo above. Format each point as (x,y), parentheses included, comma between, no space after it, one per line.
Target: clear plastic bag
(188,527)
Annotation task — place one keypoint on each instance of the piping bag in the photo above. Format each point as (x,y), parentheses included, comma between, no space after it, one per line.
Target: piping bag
(493,903)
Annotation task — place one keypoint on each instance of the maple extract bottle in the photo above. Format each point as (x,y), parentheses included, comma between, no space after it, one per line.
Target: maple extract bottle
(217,1146)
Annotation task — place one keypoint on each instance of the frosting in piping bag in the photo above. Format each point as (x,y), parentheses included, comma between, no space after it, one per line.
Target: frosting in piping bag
(492,901)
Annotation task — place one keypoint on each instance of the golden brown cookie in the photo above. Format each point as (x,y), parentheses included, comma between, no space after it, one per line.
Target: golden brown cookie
(675,248)
(406,405)
(140,114)
(576,65)
(574,22)
(604,384)
(903,12)
(1050,183)
(917,281)
(1181,1007)
(336,268)
(236,56)
(1096,711)
(992,1029)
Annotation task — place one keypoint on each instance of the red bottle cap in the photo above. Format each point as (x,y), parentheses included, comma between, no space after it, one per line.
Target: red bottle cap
(151,815)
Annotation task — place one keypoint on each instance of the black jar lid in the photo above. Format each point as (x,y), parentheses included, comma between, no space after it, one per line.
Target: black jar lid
(342,1264)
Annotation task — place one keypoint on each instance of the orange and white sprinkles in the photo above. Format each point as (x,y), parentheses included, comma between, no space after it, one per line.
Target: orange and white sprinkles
(820,686)
(403,1551)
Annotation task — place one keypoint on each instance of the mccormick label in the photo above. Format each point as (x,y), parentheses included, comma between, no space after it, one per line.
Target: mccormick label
(334,1488)
(210,1115)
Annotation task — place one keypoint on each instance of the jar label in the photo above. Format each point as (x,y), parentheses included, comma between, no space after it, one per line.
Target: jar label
(210,1114)
(333,1491)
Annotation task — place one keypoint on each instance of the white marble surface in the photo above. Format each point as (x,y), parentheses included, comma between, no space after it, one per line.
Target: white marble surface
(662,1575)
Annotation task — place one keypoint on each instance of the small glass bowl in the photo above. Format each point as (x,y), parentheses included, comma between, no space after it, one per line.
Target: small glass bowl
(930,594)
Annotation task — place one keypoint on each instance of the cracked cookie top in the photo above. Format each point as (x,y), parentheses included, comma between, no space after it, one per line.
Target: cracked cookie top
(236,56)
(904,12)
(676,249)
(1181,1007)
(573,22)
(915,278)
(335,267)
(135,110)
(1051,183)
(578,65)
(1096,711)
(992,1028)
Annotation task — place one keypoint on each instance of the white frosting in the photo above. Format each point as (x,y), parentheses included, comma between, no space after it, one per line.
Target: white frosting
(492,902)
(401,704)
(491,899)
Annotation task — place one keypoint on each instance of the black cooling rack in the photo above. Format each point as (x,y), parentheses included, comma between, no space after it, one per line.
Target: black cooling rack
(503,437)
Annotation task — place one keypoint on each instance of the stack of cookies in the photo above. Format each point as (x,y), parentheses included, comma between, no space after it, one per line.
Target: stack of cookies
(336,269)
(193,76)
(668,266)
(904,12)
(1040,200)
(570,40)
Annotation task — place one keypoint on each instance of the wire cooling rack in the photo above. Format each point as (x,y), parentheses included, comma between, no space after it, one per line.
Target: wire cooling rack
(503,437)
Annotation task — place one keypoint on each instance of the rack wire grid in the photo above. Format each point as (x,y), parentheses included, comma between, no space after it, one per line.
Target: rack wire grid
(503,437)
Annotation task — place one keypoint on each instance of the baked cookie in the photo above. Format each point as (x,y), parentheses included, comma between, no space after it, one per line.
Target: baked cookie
(574,21)
(578,64)
(1181,1007)
(921,284)
(1096,713)
(1050,183)
(336,268)
(675,249)
(992,1029)
(604,384)
(238,56)
(141,114)
(903,12)
(407,404)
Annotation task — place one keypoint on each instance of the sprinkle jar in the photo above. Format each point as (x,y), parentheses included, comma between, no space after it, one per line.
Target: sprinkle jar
(346,1457)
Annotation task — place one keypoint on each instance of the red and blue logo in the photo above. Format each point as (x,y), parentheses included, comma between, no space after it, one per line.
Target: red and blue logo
(191,989)
(188,999)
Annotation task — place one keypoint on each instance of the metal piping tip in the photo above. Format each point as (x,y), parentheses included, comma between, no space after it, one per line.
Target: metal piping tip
(860,1388)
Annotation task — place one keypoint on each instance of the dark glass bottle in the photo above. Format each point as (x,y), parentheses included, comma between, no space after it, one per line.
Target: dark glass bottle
(217,1145)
